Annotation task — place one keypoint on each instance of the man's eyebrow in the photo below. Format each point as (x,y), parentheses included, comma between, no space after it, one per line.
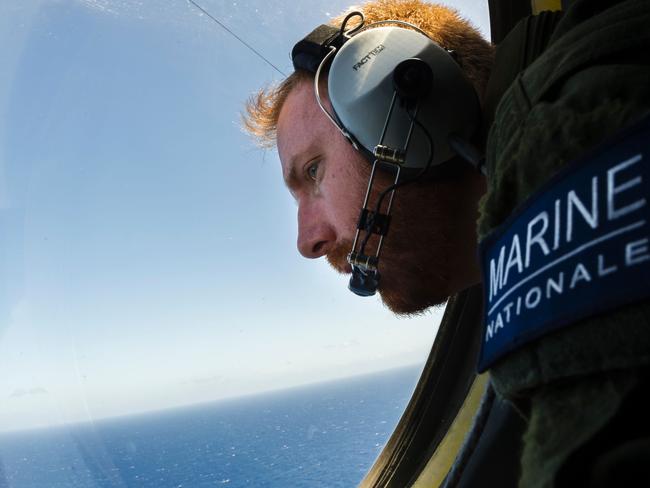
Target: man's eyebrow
(291,176)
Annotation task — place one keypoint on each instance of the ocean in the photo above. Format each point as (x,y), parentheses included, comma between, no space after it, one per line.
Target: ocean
(323,435)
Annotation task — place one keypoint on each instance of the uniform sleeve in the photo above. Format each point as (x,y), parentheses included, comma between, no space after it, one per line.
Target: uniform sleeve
(590,83)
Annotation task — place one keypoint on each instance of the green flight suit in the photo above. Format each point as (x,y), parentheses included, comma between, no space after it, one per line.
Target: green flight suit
(581,388)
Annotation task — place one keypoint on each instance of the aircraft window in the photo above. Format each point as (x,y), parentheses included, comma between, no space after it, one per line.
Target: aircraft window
(157,326)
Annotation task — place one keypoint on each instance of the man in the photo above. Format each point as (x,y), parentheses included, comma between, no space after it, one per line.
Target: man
(585,78)
(328,178)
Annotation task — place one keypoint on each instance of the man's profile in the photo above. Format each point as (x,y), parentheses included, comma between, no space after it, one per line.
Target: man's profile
(555,90)
(328,178)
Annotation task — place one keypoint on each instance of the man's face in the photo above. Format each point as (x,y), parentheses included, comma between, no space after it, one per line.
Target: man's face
(322,171)
(328,179)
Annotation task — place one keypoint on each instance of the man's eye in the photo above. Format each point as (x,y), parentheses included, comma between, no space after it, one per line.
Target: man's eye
(312,170)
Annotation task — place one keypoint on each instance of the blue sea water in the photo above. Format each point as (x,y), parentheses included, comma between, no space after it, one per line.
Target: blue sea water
(324,435)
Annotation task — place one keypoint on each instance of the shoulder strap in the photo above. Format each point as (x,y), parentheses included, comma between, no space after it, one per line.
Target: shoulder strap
(523,45)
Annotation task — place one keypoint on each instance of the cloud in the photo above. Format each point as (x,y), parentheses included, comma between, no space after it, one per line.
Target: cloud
(203,380)
(101,5)
(343,345)
(21,392)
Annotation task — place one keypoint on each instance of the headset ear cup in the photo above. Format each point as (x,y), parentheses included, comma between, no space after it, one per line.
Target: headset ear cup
(380,63)
(412,79)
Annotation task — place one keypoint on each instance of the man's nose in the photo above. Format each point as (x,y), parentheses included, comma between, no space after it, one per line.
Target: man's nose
(316,237)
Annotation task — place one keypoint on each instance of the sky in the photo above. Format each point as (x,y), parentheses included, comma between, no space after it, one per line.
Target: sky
(147,248)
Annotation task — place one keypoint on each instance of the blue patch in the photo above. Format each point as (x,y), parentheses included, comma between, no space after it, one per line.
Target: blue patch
(578,247)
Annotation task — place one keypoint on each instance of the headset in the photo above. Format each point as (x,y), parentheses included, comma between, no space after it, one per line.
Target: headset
(401,100)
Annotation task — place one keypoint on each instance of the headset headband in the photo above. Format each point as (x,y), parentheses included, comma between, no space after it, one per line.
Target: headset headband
(309,52)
